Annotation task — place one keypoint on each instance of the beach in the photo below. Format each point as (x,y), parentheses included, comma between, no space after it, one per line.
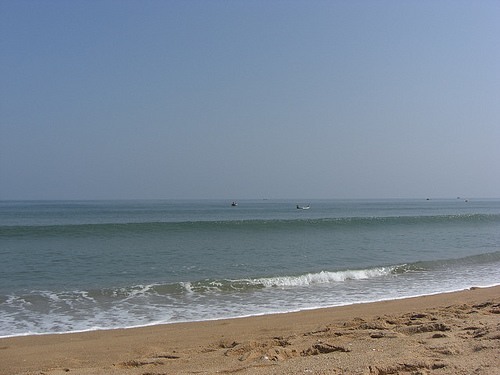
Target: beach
(201,287)
(450,333)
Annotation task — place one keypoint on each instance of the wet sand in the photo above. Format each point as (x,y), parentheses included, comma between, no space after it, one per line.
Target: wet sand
(452,333)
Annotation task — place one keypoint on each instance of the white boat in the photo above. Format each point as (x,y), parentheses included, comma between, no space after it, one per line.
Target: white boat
(303,207)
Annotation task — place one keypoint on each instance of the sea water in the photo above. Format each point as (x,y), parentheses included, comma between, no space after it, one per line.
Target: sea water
(70,266)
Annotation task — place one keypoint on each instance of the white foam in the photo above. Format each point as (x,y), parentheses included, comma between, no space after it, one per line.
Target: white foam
(188,287)
(323,277)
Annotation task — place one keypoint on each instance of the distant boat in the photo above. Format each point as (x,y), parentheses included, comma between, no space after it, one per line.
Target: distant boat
(234,204)
(303,207)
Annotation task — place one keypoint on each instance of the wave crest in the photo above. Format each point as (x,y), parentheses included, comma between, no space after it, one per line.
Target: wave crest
(324,277)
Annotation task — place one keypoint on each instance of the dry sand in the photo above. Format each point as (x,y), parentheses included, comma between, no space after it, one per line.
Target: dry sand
(453,333)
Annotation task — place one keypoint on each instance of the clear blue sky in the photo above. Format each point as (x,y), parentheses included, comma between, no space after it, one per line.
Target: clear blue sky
(249,99)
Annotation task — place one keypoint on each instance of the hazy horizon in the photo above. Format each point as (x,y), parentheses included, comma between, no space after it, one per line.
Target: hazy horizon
(298,200)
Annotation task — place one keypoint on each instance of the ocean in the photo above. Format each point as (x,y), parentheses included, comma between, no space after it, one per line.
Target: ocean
(70,266)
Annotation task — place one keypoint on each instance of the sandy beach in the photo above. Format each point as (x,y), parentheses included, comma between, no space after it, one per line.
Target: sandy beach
(452,333)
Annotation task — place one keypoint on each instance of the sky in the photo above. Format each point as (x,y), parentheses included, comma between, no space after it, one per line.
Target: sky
(121,99)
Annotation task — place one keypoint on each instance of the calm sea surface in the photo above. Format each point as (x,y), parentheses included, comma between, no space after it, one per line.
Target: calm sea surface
(84,265)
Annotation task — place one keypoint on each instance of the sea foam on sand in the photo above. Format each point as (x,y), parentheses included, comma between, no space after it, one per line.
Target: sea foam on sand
(451,333)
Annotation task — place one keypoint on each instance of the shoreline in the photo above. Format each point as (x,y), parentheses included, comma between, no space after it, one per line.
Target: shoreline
(155,324)
(447,333)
